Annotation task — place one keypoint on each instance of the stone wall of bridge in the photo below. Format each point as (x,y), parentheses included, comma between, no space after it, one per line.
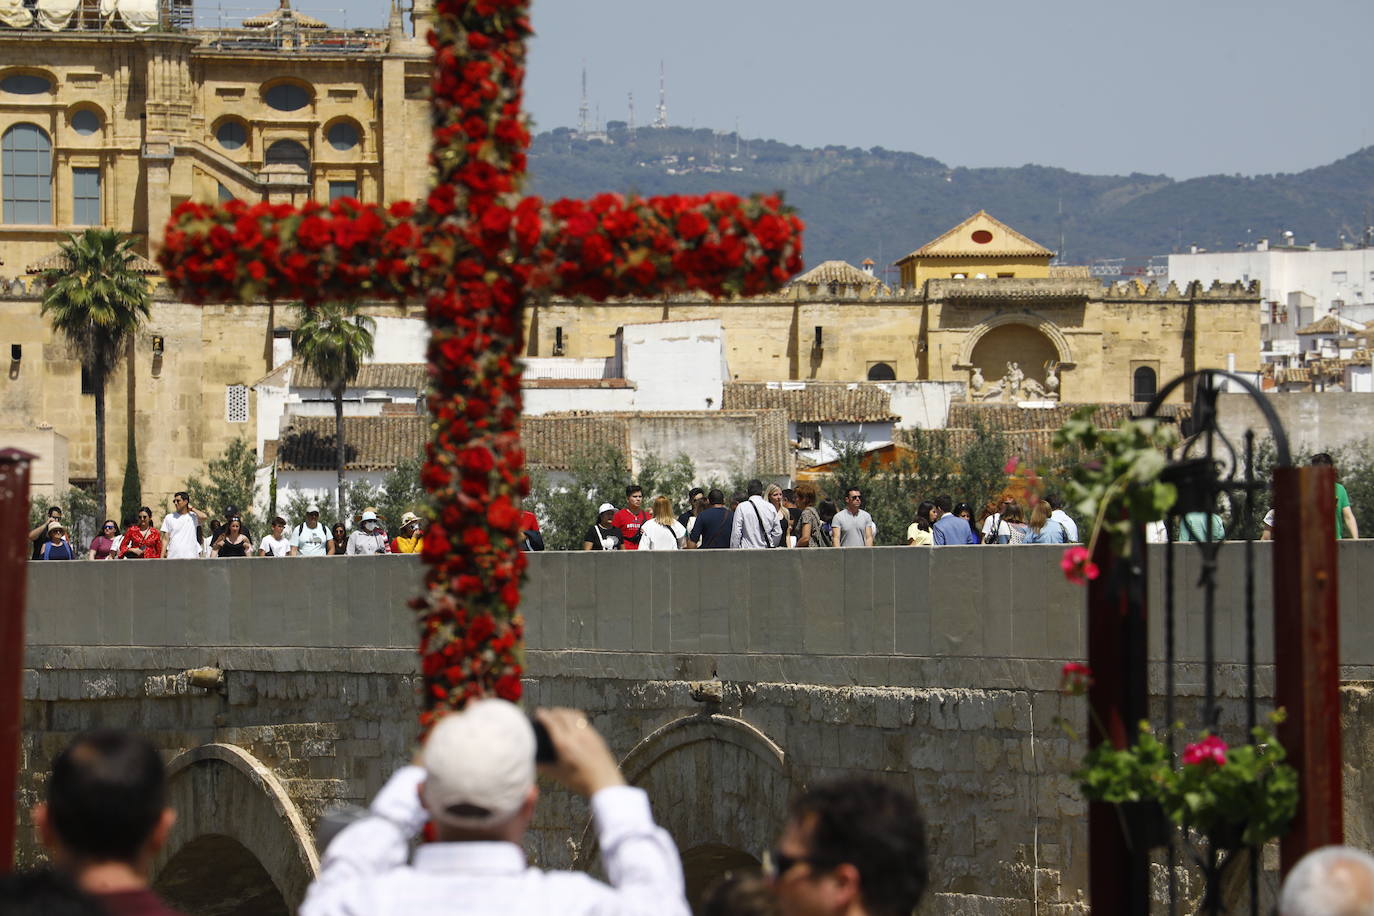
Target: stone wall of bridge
(725,680)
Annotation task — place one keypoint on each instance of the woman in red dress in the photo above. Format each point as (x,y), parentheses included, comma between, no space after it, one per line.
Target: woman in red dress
(142,541)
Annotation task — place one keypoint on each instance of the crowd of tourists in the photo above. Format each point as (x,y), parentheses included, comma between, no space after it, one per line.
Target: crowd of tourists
(189,533)
(776,517)
(446,834)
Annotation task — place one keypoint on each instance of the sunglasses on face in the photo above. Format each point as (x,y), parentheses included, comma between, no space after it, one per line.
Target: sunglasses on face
(777,863)
(109,527)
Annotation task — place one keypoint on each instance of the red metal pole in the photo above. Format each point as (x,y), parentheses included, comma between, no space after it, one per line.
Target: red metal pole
(1307,652)
(14,550)
(1118,876)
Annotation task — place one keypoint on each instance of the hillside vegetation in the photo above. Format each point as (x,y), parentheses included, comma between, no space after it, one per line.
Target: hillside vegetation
(882,204)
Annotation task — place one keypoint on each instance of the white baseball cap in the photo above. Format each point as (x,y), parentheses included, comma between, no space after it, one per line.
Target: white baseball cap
(311,508)
(479,764)
(369,516)
(605,507)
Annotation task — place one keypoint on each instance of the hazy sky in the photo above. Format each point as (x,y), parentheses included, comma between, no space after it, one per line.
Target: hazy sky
(1181,87)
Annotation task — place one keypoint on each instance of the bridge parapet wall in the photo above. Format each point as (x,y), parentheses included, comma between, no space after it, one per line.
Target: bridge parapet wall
(726,679)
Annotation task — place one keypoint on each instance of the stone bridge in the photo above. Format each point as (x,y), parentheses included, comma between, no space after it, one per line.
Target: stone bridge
(726,680)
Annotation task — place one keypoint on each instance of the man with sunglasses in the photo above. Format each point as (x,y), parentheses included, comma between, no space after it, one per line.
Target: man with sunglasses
(855,847)
(39,536)
(179,529)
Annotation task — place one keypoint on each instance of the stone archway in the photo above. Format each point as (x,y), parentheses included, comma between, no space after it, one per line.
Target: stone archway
(718,785)
(240,845)
(1024,338)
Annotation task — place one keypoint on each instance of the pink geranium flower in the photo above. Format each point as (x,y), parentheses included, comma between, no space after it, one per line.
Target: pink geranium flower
(1077,566)
(1075,679)
(1210,748)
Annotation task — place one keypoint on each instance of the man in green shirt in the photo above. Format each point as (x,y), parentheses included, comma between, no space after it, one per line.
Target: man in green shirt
(1345,516)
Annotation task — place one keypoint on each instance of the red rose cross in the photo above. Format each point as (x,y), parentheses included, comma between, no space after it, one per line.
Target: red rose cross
(477,250)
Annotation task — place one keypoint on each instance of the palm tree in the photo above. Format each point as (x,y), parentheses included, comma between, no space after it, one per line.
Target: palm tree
(97,301)
(332,341)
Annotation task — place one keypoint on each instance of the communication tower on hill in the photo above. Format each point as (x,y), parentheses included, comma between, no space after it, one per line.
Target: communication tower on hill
(661,116)
(584,110)
(632,119)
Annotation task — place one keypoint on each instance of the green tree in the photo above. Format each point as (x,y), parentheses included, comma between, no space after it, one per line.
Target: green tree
(131,495)
(97,300)
(671,478)
(599,474)
(80,512)
(402,492)
(231,481)
(332,341)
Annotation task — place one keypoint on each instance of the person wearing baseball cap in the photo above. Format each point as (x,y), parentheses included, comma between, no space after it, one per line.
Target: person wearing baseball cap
(475,781)
(603,534)
(310,537)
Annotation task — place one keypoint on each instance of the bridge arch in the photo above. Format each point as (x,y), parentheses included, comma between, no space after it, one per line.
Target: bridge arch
(718,785)
(240,845)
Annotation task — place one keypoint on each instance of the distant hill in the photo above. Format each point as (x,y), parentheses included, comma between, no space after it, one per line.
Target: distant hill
(882,204)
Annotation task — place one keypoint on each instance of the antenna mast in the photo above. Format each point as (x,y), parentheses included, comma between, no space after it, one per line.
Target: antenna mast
(583,110)
(632,118)
(661,117)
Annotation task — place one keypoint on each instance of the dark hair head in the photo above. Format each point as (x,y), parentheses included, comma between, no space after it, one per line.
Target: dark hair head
(1054,499)
(52,509)
(923,515)
(45,893)
(874,827)
(337,527)
(109,521)
(738,498)
(962,508)
(715,497)
(848,490)
(278,520)
(182,494)
(735,894)
(944,503)
(634,488)
(827,510)
(755,487)
(1322,458)
(1012,513)
(145,510)
(107,791)
(694,493)
(789,494)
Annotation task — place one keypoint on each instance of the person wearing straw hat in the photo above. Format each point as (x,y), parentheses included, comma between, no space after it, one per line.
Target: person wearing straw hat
(412,536)
(57,546)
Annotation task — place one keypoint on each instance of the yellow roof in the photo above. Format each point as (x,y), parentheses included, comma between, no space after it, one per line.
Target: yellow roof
(980,236)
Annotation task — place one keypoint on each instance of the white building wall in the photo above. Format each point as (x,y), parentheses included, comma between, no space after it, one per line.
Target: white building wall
(557,400)
(675,365)
(400,340)
(1327,276)
(923,405)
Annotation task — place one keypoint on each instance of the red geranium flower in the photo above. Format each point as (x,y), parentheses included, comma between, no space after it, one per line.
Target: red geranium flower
(1210,749)
(1077,566)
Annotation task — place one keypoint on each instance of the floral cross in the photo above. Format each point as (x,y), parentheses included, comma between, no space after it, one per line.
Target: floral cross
(477,250)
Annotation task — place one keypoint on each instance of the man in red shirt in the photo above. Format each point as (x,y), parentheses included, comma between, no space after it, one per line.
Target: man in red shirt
(630,518)
(106,818)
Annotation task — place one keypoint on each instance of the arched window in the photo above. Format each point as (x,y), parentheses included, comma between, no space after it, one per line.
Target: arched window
(231,134)
(342,135)
(26,167)
(1145,384)
(288,152)
(881,372)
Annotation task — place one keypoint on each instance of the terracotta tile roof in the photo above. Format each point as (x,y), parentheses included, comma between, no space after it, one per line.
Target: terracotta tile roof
(551,442)
(1330,324)
(411,376)
(813,402)
(835,272)
(138,264)
(370,443)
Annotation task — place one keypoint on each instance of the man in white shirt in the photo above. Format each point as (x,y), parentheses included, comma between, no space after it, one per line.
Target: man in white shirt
(476,780)
(310,538)
(179,529)
(756,522)
(1059,515)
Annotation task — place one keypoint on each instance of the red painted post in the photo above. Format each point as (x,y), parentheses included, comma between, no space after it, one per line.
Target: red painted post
(14,554)
(1307,652)
(1118,876)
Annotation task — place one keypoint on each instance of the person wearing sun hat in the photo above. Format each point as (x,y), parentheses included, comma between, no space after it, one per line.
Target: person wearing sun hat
(475,780)
(369,537)
(412,536)
(57,546)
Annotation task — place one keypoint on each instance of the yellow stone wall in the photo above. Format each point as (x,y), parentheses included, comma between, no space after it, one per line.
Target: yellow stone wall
(160,98)
(917,271)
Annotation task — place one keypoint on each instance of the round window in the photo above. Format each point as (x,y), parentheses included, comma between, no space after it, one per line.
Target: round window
(287,97)
(85,122)
(982,236)
(25,84)
(231,135)
(342,136)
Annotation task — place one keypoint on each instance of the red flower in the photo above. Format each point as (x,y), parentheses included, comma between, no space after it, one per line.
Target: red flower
(508,687)
(1077,566)
(502,514)
(1211,748)
(691,225)
(1075,679)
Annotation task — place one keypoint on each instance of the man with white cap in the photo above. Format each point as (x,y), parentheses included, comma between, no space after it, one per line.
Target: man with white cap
(309,539)
(1330,881)
(368,538)
(476,781)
